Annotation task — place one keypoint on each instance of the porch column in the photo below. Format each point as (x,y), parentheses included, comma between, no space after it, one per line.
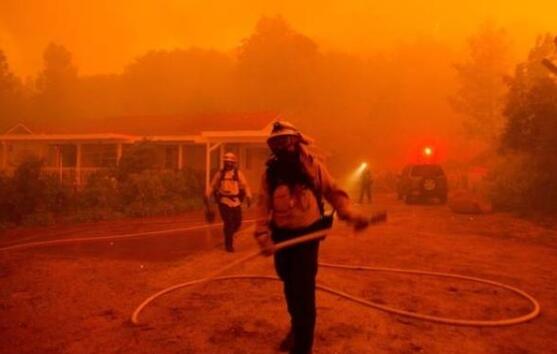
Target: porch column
(4,155)
(78,165)
(118,153)
(221,156)
(60,162)
(180,156)
(241,156)
(208,150)
(207,166)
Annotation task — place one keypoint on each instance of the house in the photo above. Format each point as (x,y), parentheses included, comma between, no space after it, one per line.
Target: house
(182,142)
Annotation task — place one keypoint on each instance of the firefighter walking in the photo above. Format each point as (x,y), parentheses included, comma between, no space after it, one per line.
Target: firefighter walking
(290,205)
(229,188)
(366,185)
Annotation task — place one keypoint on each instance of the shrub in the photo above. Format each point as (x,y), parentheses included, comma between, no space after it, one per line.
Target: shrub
(140,193)
(100,192)
(160,193)
(527,180)
(33,198)
(38,219)
(7,199)
(522,183)
(137,158)
(28,188)
(57,197)
(509,182)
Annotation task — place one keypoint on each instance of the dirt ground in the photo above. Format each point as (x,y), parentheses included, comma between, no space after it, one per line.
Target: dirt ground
(78,298)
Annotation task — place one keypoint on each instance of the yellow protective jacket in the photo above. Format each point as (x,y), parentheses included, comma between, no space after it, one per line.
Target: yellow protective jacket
(298,207)
(227,187)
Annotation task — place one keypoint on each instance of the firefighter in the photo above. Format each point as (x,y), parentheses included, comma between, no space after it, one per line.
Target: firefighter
(289,206)
(229,188)
(366,184)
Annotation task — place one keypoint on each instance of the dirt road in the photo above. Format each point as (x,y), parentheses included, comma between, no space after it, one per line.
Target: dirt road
(78,298)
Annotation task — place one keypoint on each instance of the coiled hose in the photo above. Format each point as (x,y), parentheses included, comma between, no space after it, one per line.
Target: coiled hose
(214,276)
(310,237)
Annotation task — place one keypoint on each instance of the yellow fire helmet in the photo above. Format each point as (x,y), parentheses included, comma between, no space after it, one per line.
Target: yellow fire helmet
(230,157)
(283,128)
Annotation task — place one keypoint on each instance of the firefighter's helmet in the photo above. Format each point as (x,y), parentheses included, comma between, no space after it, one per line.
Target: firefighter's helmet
(282,128)
(229,157)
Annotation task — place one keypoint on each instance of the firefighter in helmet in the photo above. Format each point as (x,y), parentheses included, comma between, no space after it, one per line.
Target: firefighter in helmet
(290,205)
(366,184)
(229,188)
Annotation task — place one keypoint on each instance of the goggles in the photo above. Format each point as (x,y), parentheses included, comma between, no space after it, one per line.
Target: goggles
(282,142)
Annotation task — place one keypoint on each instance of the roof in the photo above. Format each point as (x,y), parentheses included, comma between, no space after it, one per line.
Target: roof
(66,137)
(19,129)
(156,125)
(253,128)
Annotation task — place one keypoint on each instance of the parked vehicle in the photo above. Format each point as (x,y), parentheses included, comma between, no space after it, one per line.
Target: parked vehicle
(421,182)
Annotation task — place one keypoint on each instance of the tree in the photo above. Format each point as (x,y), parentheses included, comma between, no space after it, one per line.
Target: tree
(11,95)
(531,108)
(276,66)
(178,81)
(482,88)
(530,134)
(141,156)
(57,86)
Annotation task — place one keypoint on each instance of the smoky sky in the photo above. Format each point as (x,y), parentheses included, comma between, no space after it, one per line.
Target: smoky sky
(105,35)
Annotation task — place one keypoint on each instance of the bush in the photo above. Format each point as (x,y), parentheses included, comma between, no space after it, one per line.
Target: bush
(160,193)
(527,180)
(57,197)
(139,157)
(93,215)
(185,184)
(522,183)
(141,193)
(100,192)
(39,219)
(7,199)
(28,189)
(33,198)
(509,182)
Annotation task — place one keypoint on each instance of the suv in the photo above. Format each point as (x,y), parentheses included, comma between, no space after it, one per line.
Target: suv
(420,182)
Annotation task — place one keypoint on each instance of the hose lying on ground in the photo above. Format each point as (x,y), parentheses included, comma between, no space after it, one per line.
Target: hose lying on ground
(108,238)
(310,237)
(214,276)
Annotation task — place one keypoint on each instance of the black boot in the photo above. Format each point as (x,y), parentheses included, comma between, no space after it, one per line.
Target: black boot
(229,242)
(287,343)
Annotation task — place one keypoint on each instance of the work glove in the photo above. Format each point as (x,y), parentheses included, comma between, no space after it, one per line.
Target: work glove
(360,222)
(265,243)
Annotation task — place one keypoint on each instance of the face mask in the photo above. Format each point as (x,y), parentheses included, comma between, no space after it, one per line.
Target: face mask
(285,147)
(287,154)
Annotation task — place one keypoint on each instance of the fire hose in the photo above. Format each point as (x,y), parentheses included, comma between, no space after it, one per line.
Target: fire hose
(127,236)
(215,276)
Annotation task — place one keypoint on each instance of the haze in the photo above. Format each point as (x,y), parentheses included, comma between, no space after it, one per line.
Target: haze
(105,35)
(388,69)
